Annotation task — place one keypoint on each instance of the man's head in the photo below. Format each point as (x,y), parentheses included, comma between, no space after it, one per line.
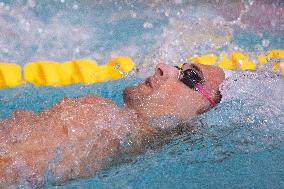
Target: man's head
(165,94)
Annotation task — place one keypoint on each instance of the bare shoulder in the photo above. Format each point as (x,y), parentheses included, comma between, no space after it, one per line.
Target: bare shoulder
(91,99)
(85,130)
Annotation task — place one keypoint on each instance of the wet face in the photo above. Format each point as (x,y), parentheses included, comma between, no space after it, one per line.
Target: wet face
(164,94)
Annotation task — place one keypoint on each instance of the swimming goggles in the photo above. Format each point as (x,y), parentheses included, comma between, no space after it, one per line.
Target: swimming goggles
(192,78)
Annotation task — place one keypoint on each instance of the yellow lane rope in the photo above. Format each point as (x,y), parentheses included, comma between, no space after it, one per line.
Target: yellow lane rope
(47,73)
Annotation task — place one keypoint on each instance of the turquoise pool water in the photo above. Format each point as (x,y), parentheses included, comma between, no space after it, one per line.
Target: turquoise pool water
(239,144)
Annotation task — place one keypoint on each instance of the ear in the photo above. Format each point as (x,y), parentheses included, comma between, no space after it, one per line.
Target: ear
(218,97)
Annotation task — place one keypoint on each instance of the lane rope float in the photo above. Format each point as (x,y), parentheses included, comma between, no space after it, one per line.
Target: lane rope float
(242,61)
(48,73)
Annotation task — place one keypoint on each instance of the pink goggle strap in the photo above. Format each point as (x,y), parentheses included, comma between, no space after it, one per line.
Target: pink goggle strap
(201,89)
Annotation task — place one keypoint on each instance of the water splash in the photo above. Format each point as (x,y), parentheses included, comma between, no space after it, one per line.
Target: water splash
(250,117)
(249,120)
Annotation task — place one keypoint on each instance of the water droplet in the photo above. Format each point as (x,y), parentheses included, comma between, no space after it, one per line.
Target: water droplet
(77,50)
(31,3)
(178,1)
(40,30)
(75,6)
(167,13)
(133,14)
(250,2)
(265,42)
(148,25)
(5,50)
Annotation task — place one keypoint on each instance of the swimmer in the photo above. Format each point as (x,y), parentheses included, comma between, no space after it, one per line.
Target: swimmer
(77,137)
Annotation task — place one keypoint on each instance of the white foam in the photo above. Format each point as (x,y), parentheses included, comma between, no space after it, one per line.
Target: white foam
(228,73)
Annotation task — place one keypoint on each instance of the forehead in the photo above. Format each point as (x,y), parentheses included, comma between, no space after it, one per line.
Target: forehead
(202,68)
(213,75)
(207,72)
(190,65)
(196,67)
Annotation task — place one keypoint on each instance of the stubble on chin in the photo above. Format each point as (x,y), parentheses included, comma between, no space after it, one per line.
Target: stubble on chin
(129,95)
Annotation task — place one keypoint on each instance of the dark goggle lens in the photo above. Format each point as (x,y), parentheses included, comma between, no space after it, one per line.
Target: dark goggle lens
(190,78)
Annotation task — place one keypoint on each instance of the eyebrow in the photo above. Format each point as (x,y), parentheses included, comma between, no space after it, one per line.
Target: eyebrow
(198,70)
(192,66)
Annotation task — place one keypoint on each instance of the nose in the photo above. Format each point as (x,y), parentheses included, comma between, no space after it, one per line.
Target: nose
(164,71)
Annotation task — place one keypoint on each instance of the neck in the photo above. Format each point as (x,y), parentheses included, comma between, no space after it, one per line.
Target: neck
(141,122)
(152,123)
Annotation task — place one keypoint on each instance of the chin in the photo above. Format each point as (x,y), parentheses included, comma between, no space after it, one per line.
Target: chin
(135,95)
(130,95)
